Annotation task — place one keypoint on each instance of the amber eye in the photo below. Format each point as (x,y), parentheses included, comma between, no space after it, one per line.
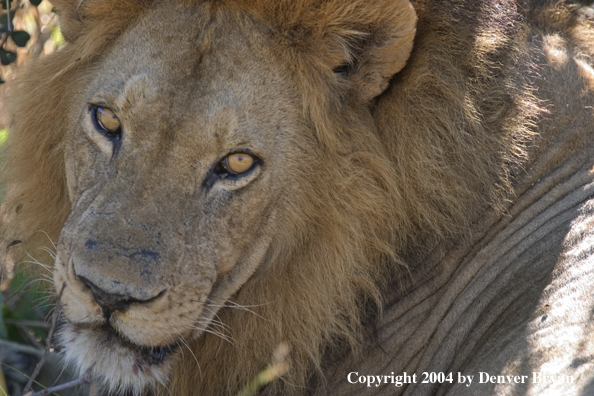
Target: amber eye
(105,120)
(238,163)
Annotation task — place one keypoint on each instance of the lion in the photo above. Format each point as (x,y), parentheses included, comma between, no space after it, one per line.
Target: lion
(224,176)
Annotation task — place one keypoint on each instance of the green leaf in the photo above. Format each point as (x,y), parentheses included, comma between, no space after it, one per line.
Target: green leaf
(7,57)
(25,295)
(20,37)
(57,37)
(3,137)
(35,2)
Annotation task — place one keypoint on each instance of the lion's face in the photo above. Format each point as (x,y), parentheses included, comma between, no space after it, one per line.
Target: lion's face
(176,181)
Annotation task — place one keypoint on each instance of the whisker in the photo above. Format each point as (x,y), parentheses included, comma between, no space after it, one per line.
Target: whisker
(181,339)
(204,328)
(36,262)
(32,282)
(234,305)
(217,319)
(52,253)
(49,239)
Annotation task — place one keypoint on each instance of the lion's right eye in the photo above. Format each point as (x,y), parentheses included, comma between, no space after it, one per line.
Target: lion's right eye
(105,121)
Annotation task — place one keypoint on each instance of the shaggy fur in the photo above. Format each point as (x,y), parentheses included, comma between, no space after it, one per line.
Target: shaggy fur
(398,168)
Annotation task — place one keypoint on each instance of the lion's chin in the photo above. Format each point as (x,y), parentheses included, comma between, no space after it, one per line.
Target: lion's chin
(118,366)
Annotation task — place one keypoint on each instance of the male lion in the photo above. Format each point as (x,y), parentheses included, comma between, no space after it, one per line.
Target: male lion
(227,175)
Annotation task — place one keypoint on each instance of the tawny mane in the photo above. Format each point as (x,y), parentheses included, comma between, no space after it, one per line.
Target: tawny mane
(416,163)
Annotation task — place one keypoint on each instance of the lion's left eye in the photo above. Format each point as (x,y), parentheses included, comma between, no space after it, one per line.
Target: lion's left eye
(238,168)
(236,164)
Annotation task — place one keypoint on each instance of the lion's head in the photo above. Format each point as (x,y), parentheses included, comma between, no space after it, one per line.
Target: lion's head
(230,178)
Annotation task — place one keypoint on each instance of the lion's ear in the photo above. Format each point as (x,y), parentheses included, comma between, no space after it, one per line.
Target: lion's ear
(374,38)
(76,16)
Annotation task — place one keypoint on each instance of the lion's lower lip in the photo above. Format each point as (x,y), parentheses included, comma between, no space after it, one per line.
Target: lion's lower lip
(146,356)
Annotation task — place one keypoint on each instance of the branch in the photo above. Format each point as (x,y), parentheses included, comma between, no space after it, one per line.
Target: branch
(84,380)
(8,16)
(48,343)
(29,350)
(278,367)
(29,323)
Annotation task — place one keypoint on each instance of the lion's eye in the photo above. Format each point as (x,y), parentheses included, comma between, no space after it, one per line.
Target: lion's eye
(238,168)
(236,164)
(105,121)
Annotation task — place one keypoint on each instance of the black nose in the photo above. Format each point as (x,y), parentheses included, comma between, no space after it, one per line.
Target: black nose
(109,302)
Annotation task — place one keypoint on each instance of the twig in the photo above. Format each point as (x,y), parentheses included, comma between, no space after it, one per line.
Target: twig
(30,323)
(29,350)
(84,380)
(48,344)
(8,16)
(30,338)
(278,367)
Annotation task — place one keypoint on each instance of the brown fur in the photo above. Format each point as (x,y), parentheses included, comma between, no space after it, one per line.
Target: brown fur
(395,171)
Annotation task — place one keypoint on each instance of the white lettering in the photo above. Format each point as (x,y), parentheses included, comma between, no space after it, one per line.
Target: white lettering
(483,377)
(465,378)
(349,377)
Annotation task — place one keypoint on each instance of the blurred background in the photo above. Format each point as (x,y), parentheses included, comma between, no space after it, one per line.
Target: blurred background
(29,29)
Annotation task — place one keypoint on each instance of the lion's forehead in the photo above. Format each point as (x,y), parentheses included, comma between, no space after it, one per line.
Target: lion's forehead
(199,84)
(190,57)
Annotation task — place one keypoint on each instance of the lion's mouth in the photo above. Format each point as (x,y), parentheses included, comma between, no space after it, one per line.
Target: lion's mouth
(114,359)
(145,355)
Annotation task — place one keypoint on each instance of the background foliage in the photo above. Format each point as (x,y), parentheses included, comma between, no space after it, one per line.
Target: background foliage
(29,29)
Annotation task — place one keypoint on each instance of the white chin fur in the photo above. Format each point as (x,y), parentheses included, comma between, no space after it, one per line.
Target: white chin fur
(115,367)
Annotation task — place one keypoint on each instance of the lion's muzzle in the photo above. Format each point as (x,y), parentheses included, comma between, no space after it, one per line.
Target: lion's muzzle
(111,302)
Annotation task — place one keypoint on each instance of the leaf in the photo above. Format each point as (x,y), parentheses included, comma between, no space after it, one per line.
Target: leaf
(26,305)
(7,57)
(35,2)
(57,37)
(20,37)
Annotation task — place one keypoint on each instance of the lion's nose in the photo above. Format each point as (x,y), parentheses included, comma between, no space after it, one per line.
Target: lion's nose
(110,302)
